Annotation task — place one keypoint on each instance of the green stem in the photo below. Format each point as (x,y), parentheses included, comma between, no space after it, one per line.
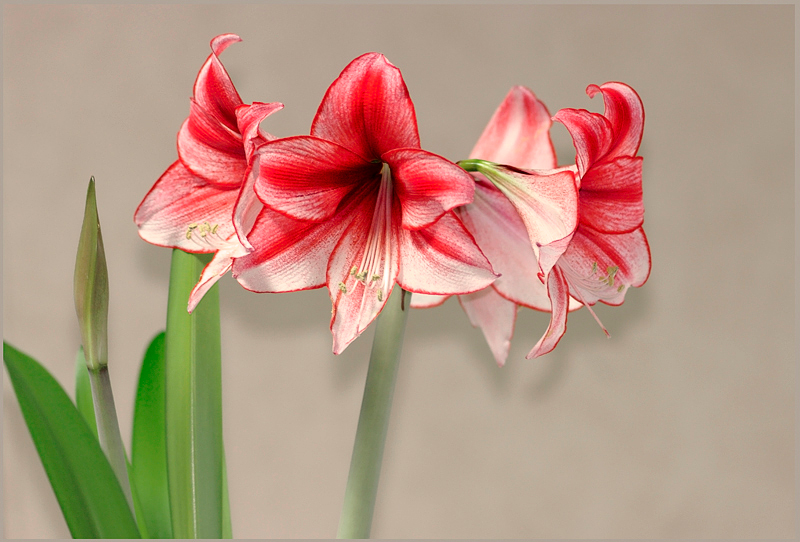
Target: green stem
(472,164)
(373,422)
(108,428)
(193,406)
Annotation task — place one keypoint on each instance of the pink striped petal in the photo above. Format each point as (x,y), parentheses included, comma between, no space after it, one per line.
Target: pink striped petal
(559,296)
(547,202)
(213,88)
(601,266)
(591,134)
(358,300)
(426,301)
(499,231)
(306,177)
(210,149)
(248,119)
(288,255)
(611,196)
(248,205)
(518,133)
(495,316)
(367,109)
(180,200)
(216,268)
(625,112)
(442,259)
(428,185)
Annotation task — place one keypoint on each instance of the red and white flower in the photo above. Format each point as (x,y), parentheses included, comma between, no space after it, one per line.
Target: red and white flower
(609,252)
(522,217)
(204,202)
(358,206)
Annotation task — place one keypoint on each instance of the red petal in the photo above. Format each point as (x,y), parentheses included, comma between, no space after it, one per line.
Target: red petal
(356,304)
(518,133)
(213,89)
(611,196)
(601,266)
(428,185)
(306,177)
(495,316)
(248,118)
(442,259)
(180,199)
(210,149)
(367,109)
(625,112)
(502,236)
(559,297)
(591,134)
(289,254)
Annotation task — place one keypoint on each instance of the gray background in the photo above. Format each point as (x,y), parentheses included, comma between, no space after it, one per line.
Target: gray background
(681,425)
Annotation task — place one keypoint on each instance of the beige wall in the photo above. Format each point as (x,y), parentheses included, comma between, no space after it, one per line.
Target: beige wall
(681,425)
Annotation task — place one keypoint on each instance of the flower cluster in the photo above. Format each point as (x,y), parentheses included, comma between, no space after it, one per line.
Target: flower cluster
(358,206)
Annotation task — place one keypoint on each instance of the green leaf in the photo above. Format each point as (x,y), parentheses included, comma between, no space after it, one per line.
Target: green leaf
(83,392)
(149,448)
(86,488)
(193,403)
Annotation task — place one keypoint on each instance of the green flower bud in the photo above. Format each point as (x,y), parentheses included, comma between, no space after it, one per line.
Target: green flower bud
(91,286)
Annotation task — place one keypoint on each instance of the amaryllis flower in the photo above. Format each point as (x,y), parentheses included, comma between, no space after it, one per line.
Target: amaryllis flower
(358,206)
(204,202)
(609,252)
(532,209)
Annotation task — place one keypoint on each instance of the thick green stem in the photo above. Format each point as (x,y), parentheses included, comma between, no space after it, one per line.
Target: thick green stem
(108,428)
(373,422)
(193,403)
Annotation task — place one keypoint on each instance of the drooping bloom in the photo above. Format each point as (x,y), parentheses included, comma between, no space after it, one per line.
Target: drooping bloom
(609,252)
(605,255)
(521,217)
(204,202)
(358,206)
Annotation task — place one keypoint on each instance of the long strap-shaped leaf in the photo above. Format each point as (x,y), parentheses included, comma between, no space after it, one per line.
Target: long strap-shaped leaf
(84,483)
(193,404)
(148,447)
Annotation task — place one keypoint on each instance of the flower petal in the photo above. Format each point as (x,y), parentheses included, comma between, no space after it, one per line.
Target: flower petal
(592,135)
(211,150)
(601,266)
(306,177)
(518,133)
(248,118)
(248,205)
(625,112)
(216,268)
(180,200)
(547,202)
(288,254)
(356,303)
(428,185)
(209,143)
(213,88)
(611,196)
(426,301)
(442,259)
(367,109)
(559,296)
(495,316)
(501,234)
